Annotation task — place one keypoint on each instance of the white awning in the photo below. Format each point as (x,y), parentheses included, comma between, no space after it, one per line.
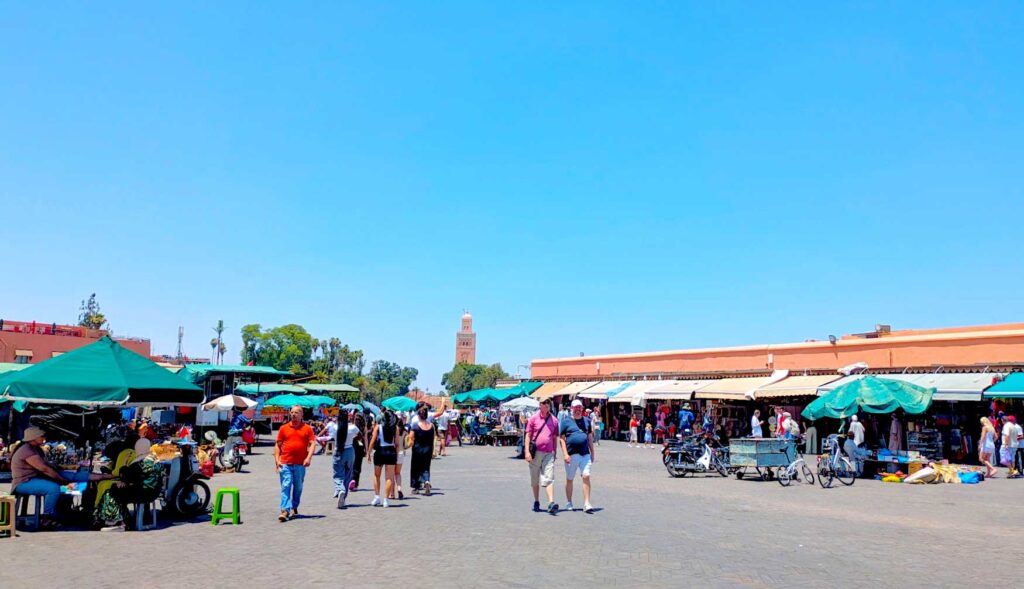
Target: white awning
(600,390)
(636,392)
(27,353)
(950,386)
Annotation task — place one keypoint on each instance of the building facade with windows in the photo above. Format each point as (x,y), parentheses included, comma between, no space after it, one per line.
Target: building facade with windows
(31,342)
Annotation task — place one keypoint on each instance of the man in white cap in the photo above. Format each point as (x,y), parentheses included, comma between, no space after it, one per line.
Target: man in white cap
(577,441)
(32,475)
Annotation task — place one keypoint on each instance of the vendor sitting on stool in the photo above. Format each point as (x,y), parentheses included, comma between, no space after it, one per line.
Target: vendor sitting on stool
(32,475)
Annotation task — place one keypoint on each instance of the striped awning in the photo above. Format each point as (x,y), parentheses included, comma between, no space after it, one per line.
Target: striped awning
(602,390)
(675,390)
(733,389)
(636,393)
(575,388)
(548,390)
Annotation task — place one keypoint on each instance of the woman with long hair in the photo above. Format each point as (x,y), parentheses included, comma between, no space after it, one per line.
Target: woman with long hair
(359,445)
(400,447)
(385,455)
(345,457)
(423,433)
(987,446)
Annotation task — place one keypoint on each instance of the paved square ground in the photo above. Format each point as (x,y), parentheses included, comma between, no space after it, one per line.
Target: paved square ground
(479,530)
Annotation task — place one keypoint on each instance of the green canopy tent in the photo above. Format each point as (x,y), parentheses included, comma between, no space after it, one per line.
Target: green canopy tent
(872,395)
(399,403)
(270,388)
(304,401)
(329,388)
(101,373)
(198,373)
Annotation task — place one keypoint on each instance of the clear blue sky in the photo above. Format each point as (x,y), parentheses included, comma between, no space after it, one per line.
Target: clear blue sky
(590,177)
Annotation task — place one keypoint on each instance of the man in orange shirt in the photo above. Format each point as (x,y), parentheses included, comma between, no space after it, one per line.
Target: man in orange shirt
(292,455)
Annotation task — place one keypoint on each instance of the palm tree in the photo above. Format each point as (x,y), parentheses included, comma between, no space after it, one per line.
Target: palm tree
(213,351)
(221,349)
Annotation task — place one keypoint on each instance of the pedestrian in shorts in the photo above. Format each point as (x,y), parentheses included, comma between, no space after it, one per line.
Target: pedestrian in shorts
(539,449)
(577,442)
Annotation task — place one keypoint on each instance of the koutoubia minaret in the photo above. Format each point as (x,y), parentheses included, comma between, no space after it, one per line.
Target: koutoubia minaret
(465,342)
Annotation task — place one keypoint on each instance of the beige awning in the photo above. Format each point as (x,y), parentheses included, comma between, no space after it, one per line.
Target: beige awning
(795,386)
(548,390)
(23,353)
(575,388)
(600,390)
(675,390)
(733,389)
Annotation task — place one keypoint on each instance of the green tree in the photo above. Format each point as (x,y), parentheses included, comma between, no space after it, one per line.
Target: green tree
(288,347)
(89,314)
(470,377)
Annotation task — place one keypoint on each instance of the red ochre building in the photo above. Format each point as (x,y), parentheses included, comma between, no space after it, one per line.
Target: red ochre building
(31,342)
(883,350)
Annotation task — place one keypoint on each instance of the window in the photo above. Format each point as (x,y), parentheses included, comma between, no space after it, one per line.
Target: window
(22,356)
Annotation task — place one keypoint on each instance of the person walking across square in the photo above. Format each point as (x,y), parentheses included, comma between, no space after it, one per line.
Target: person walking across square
(293,453)
(539,449)
(577,442)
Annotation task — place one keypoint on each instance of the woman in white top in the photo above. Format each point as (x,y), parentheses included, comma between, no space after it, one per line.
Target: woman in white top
(385,455)
(987,447)
(344,457)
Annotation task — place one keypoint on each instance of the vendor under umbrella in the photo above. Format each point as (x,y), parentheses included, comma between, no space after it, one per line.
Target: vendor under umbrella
(32,475)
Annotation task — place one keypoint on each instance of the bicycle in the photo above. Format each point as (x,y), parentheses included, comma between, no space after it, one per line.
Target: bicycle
(835,465)
(797,470)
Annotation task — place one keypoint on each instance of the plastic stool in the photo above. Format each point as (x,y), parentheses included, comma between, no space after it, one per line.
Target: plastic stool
(329,447)
(8,507)
(140,515)
(21,507)
(235,515)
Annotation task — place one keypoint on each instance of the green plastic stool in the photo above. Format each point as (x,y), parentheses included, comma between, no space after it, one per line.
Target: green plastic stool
(234,516)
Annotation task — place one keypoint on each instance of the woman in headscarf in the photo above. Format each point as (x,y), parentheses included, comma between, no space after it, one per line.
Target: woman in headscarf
(138,483)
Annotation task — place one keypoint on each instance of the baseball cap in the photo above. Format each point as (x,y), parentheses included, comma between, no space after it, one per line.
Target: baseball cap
(577,403)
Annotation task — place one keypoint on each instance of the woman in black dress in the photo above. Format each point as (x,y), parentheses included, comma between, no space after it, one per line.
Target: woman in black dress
(422,451)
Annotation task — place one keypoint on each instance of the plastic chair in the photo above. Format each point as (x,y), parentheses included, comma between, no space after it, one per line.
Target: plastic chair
(123,459)
(235,515)
(140,509)
(8,509)
(21,507)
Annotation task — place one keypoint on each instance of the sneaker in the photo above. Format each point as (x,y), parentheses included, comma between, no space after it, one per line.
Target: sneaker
(294,514)
(112,529)
(385,504)
(569,507)
(426,488)
(588,508)
(376,501)
(341,502)
(401,496)
(352,486)
(536,505)
(283,517)
(337,493)
(552,507)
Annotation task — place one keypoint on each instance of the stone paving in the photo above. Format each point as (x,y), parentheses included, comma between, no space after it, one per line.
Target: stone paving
(478,530)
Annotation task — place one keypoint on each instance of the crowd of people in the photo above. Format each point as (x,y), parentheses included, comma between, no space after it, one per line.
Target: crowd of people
(383,442)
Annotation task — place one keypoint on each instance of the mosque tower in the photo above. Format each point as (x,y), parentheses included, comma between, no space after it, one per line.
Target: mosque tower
(465,342)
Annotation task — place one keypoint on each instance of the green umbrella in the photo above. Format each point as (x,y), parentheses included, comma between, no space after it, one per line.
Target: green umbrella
(872,395)
(373,408)
(101,373)
(399,403)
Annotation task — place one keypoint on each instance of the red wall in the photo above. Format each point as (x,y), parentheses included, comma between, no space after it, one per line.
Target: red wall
(43,346)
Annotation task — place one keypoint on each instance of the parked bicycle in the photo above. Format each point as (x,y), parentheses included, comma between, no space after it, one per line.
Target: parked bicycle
(834,465)
(798,470)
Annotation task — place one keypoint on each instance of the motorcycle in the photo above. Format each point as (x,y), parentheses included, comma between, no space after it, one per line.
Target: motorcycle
(185,490)
(232,454)
(695,454)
